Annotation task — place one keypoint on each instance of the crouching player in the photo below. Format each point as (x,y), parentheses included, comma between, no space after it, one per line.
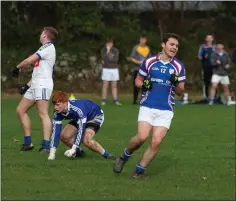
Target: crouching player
(86,119)
(160,76)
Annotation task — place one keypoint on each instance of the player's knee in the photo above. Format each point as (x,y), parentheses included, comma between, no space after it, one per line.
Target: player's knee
(43,114)
(214,86)
(88,142)
(141,137)
(155,143)
(20,111)
(63,138)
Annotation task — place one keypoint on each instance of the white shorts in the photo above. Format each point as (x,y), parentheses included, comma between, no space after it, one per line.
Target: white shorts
(110,74)
(155,117)
(38,94)
(220,79)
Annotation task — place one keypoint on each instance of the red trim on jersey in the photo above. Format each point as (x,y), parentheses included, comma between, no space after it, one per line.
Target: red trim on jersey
(151,61)
(175,63)
(158,56)
(36,64)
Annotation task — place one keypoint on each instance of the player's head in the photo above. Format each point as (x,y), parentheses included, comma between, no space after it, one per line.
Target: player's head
(48,34)
(60,101)
(109,43)
(170,44)
(209,38)
(219,46)
(143,39)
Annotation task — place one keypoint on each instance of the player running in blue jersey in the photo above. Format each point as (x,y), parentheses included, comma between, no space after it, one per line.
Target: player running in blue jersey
(86,119)
(160,77)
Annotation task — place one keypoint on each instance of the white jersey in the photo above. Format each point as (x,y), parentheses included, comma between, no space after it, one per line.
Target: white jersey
(43,67)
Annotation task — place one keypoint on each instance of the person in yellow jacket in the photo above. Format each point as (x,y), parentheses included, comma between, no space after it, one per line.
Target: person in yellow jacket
(139,52)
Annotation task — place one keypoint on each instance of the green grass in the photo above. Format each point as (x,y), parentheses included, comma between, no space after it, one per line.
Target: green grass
(196,160)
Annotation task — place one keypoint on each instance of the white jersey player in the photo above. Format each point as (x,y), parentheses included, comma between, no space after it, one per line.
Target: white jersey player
(39,89)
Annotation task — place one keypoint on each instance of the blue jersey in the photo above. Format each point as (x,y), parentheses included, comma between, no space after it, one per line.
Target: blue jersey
(206,50)
(80,110)
(161,95)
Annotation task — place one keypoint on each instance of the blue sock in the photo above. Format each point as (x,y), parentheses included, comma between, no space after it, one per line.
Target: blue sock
(126,155)
(115,100)
(105,154)
(104,100)
(27,140)
(46,144)
(139,169)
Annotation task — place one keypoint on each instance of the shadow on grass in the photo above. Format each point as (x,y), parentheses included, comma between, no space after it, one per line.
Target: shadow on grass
(161,164)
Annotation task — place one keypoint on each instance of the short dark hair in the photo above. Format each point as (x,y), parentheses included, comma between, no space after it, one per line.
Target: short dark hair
(109,40)
(167,36)
(219,42)
(210,34)
(143,36)
(51,33)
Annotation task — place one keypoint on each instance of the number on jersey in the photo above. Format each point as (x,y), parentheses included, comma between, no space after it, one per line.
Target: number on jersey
(163,70)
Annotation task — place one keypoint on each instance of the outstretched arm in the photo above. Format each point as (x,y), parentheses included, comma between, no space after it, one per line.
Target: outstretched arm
(55,138)
(30,60)
(78,138)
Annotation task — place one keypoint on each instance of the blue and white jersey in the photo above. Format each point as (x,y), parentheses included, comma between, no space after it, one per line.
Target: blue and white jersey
(162,94)
(80,110)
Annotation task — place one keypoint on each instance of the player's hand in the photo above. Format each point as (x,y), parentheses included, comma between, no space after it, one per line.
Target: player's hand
(140,62)
(71,153)
(15,72)
(218,62)
(227,66)
(147,85)
(23,89)
(174,79)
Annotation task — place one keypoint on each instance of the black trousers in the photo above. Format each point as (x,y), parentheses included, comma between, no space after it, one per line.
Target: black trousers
(207,74)
(135,89)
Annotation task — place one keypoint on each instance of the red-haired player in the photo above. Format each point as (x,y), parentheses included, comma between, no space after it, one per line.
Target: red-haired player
(86,119)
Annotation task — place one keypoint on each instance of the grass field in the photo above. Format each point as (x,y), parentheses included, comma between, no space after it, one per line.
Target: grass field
(196,160)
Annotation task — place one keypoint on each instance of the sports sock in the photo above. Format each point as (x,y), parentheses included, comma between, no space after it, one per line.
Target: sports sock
(139,169)
(46,144)
(126,155)
(105,154)
(115,100)
(27,140)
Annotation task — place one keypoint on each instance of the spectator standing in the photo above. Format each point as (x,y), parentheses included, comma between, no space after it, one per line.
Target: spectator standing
(110,71)
(139,53)
(204,54)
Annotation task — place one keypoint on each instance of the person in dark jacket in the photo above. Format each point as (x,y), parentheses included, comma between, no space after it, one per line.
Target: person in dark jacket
(110,71)
(204,54)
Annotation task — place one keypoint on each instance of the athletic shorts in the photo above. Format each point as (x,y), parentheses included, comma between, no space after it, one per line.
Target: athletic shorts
(95,124)
(155,117)
(38,94)
(220,79)
(110,74)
